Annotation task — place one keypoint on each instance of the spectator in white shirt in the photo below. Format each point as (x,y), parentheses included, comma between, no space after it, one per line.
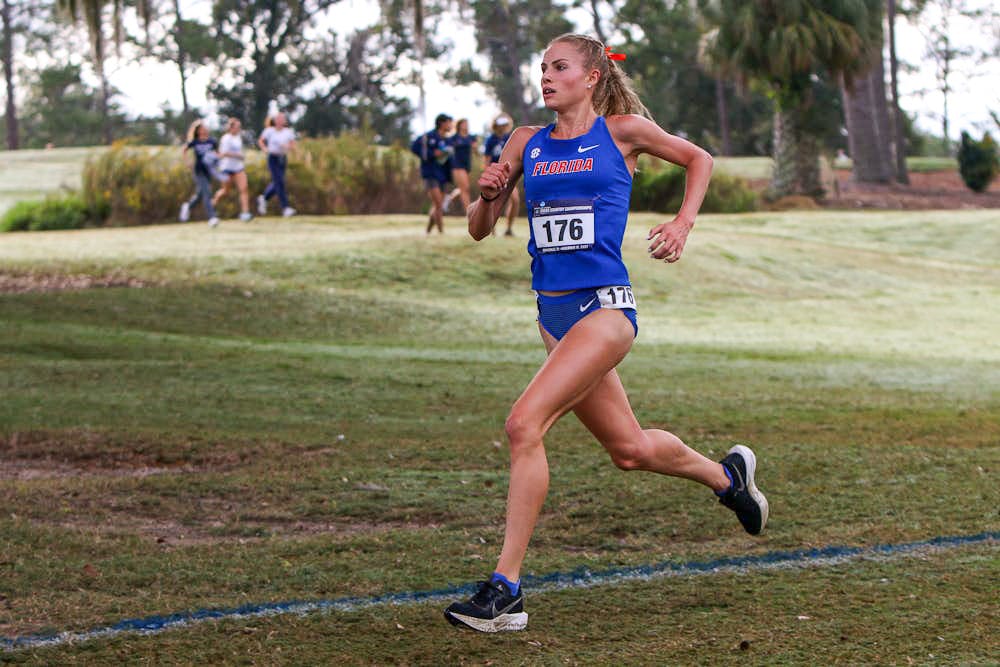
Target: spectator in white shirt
(277,140)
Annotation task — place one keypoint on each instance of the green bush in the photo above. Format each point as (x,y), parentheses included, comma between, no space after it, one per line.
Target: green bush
(978,162)
(661,189)
(19,216)
(58,212)
(334,175)
(136,185)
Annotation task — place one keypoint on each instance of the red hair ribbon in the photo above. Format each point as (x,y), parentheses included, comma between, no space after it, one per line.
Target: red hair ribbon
(613,56)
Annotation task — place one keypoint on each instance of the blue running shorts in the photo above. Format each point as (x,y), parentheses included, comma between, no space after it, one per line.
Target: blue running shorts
(558,314)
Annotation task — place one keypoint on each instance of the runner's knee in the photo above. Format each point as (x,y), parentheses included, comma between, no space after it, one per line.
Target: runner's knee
(522,430)
(627,455)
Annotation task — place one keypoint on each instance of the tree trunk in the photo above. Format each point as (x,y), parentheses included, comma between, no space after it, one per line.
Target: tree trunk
(8,72)
(899,136)
(868,134)
(723,113)
(796,157)
(181,58)
(597,21)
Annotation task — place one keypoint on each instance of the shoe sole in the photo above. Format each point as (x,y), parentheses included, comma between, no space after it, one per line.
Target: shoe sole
(502,623)
(751,461)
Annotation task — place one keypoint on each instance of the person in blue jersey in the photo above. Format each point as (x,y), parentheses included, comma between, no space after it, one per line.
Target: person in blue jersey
(435,167)
(463,144)
(203,169)
(492,151)
(577,182)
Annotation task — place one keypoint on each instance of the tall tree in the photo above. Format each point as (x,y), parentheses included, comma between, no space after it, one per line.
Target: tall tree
(510,33)
(898,122)
(27,27)
(94,13)
(270,53)
(866,114)
(184,42)
(352,80)
(661,39)
(786,45)
(10,116)
(948,26)
(61,109)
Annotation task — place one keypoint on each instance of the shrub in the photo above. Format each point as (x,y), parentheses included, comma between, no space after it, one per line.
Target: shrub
(19,216)
(68,211)
(661,189)
(136,185)
(332,175)
(978,162)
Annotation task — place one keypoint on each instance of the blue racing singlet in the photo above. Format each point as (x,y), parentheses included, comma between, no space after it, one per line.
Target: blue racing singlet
(577,193)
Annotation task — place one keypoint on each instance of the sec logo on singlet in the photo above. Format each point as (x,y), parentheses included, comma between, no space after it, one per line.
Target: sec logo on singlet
(535,152)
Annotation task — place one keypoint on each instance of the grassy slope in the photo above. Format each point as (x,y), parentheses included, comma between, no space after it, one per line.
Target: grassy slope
(190,435)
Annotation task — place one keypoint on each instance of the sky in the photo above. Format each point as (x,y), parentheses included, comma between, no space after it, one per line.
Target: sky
(147,88)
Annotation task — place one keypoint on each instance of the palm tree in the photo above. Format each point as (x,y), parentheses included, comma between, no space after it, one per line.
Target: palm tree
(92,13)
(785,45)
(870,137)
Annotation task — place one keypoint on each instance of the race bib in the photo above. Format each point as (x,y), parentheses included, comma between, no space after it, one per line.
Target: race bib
(616,296)
(563,225)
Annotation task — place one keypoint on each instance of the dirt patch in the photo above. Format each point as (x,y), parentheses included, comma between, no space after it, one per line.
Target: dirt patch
(19,283)
(937,190)
(82,453)
(931,190)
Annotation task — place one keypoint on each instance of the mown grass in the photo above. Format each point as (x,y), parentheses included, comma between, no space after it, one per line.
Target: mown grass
(314,409)
(32,174)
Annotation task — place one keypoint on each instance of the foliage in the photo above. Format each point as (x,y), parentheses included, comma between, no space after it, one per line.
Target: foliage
(351,81)
(68,211)
(137,185)
(978,162)
(19,216)
(661,189)
(511,34)
(269,54)
(63,110)
(787,46)
(661,40)
(346,174)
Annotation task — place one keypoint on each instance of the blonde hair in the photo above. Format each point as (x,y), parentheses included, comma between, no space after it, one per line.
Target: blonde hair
(613,93)
(269,121)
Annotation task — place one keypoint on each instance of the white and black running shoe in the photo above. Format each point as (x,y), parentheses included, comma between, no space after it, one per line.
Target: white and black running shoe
(492,609)
(743,497)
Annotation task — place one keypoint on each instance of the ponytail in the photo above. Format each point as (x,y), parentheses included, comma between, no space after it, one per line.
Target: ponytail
(613,93)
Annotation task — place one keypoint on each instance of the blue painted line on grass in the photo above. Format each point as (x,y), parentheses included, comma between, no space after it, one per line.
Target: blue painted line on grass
(580,578)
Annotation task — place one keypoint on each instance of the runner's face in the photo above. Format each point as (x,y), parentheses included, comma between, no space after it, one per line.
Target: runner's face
(564,79)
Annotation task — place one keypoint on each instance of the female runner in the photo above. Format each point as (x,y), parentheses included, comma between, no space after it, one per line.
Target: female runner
(577,181)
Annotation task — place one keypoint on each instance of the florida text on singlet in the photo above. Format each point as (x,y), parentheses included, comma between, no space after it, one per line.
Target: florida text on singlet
(577,193)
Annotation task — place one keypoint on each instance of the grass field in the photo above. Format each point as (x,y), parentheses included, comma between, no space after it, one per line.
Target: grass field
(31,174)
(313,410)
